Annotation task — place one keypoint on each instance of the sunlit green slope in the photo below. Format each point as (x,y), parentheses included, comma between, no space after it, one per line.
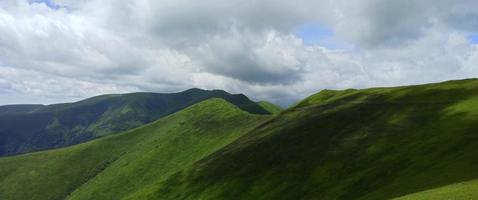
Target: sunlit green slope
(114,167)
(464,190)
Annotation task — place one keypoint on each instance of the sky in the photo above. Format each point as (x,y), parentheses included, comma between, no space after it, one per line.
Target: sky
(55,51)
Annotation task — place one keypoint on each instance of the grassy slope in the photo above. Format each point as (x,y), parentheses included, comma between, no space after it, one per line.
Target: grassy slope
(272,108)
(112,167)
(356,144)
(464,190)
(66,124)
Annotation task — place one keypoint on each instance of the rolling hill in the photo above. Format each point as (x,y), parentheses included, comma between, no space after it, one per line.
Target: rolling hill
(377,143)
(27,128)
(115,166)
(412,142)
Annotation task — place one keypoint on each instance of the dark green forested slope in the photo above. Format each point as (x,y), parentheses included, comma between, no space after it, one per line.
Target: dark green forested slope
(27,128)
(116,166)
(20,109)
(376,143)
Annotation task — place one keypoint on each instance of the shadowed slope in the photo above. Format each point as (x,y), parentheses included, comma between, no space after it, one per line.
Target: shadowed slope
(355,144)
(115,166)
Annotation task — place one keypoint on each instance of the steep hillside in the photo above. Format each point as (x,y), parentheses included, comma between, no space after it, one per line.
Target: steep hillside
(270,107)
(376,143)
(113,167)
(27,128)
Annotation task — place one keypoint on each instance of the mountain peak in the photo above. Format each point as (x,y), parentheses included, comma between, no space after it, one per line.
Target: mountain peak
(71,123)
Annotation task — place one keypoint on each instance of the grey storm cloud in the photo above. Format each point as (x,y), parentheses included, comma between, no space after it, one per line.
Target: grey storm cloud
(373,23)
(244,46)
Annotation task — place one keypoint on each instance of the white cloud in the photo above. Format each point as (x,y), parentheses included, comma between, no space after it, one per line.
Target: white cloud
(102,46)
(28,86)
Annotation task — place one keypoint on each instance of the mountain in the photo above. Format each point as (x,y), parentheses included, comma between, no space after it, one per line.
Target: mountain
(27,128)
(270,107)
(116,166)
(378,143)
(19,109)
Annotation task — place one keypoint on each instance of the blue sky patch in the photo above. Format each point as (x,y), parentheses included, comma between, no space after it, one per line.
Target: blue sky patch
(315,34)
(50,3)
(312,33)
(474,38)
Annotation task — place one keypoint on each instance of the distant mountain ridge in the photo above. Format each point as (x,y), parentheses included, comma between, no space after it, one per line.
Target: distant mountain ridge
(19,109)
(27,128)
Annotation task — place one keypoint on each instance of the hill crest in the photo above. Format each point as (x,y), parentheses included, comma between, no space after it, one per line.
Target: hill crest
(66,124)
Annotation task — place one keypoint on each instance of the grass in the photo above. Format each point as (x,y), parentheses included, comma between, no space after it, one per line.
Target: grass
(270,107)
(376,143)
(115,166)
(464,190)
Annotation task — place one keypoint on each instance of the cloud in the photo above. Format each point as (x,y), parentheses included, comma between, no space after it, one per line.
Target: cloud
(25,84)
(247,46)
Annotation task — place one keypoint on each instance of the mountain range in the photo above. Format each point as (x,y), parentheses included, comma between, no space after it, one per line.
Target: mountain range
(410,142)
(27,128)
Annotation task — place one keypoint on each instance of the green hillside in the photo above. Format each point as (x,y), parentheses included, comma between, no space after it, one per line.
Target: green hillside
(27,128)
(113,167)
(464,190)
(376,143)
(270,107)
